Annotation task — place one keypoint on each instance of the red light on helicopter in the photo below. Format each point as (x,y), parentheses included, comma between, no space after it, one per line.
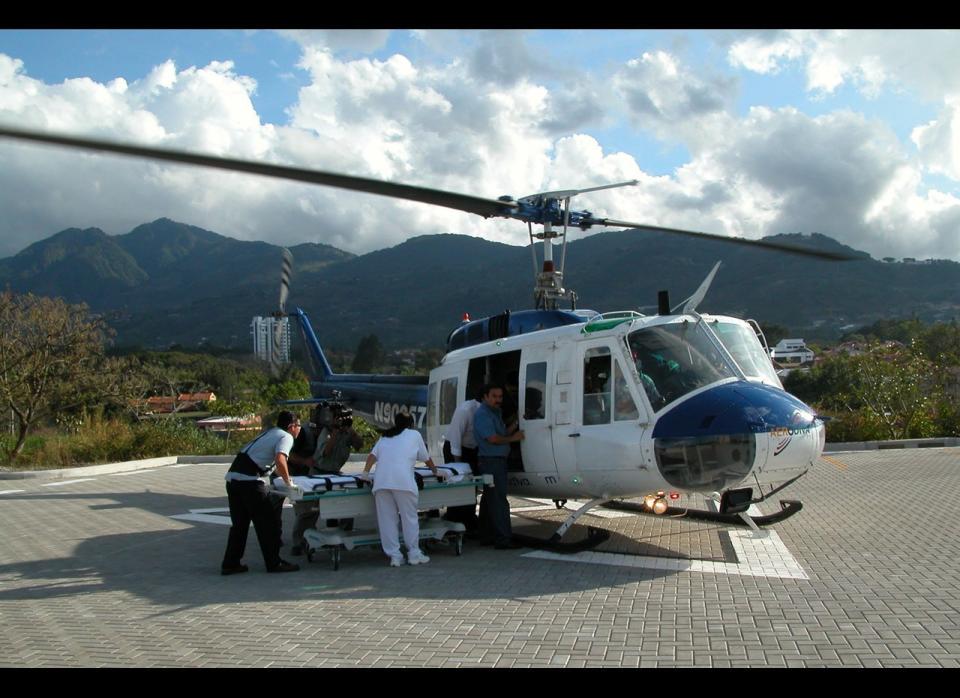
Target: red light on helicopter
(466,318)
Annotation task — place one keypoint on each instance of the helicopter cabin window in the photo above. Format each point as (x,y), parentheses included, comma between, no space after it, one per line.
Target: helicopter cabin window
(448,399)
(432,411)
(535,389)
(676,359)
(745,347)
(596,386)
(624,408)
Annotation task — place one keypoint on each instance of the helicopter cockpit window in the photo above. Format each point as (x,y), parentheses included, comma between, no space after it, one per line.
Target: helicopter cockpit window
(676,359)
(743,345)
(448,399)
(596,386)
(432,404)
(624,408)
(534,394)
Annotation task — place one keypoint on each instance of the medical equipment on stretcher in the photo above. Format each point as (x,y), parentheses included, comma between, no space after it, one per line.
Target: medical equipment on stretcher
(351,497)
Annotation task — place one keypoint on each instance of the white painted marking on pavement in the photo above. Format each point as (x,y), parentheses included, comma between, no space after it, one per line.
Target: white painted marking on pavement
(68,482)
(137,472)
(758,555)
(11,491)
(205,516)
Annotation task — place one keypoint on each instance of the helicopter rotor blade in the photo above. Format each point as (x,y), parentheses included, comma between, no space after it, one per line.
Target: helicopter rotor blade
(286,266)
(770,245)
(505,206)
(437,197)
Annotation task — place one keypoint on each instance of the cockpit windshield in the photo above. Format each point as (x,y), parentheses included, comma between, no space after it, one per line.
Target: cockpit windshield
(676,359)
(742,343)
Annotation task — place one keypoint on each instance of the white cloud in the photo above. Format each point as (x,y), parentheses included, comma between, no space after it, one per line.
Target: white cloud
(365,40)
(764,55)
(922,60)
(665,97)
(939,140)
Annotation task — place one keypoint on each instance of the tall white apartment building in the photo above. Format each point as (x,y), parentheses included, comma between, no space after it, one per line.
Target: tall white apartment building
(262,329)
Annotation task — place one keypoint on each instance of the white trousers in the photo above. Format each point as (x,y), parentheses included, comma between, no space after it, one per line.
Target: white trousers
(393,507)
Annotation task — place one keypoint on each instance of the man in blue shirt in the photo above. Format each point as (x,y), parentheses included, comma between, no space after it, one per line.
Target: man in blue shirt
(493,446)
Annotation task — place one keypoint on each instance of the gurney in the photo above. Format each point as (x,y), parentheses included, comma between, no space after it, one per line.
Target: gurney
(351,497)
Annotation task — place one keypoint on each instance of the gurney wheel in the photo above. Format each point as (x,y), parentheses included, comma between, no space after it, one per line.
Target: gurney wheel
(309,554)
(458,545)
(335,558)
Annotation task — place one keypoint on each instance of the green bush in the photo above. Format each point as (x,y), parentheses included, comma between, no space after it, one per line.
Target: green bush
(99,440)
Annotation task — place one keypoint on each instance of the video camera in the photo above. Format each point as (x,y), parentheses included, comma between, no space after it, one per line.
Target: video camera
(333,414)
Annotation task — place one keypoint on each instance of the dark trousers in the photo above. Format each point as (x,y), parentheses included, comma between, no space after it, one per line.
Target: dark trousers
(466,514)
(250,501)
(494,507)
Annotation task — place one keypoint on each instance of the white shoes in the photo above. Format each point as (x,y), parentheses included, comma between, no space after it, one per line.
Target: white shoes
(396,561)
(417,558)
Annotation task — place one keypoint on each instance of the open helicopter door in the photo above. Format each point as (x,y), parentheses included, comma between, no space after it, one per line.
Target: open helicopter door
(607,417)
(445,391)
(536,414)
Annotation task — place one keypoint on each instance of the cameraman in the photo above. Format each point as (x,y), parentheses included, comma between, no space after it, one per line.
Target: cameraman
(334,445)
(336,440)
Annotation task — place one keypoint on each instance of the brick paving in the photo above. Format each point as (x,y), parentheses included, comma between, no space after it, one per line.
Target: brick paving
(96,572)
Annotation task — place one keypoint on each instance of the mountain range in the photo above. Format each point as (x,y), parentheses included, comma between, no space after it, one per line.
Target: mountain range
(169,283)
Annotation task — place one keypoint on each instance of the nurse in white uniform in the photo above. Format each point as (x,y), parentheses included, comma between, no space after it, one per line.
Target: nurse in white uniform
(395,488)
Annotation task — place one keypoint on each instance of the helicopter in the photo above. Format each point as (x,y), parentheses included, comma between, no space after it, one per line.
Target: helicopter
(615,405)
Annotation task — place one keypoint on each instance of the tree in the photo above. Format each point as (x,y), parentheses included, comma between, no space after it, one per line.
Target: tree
(885,393)
(51,356)
(369,355)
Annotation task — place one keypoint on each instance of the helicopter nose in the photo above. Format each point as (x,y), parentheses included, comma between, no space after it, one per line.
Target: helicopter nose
(715,439)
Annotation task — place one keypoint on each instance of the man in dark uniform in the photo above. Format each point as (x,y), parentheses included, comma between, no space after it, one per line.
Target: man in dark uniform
(250,499)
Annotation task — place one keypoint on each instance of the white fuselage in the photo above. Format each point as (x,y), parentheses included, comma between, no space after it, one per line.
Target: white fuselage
(589,420)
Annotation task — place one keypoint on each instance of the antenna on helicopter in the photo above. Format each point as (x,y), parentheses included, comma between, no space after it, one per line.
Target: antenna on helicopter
(548,287)
(690,305)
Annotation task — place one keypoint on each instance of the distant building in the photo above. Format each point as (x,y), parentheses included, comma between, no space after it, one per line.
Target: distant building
(791,352)
(184,402)
(263,329)
(225,424)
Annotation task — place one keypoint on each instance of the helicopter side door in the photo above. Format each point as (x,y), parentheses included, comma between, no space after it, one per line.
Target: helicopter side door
(535,411)
(607,419)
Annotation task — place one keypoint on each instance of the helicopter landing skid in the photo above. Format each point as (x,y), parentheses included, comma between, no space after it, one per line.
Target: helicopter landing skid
(787,509)
(595,536)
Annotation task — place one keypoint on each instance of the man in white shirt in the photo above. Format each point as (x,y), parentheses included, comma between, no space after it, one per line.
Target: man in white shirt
(460,446)
(250,500)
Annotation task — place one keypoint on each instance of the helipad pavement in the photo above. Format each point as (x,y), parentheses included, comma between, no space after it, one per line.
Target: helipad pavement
(123,570)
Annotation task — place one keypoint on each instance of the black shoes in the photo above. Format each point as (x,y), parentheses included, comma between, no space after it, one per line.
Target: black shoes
(284,566)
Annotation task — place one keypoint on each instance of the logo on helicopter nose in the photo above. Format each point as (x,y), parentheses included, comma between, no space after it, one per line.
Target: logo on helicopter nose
(782,445)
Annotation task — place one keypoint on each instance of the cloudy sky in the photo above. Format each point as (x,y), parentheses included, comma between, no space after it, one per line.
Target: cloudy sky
(854,134)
